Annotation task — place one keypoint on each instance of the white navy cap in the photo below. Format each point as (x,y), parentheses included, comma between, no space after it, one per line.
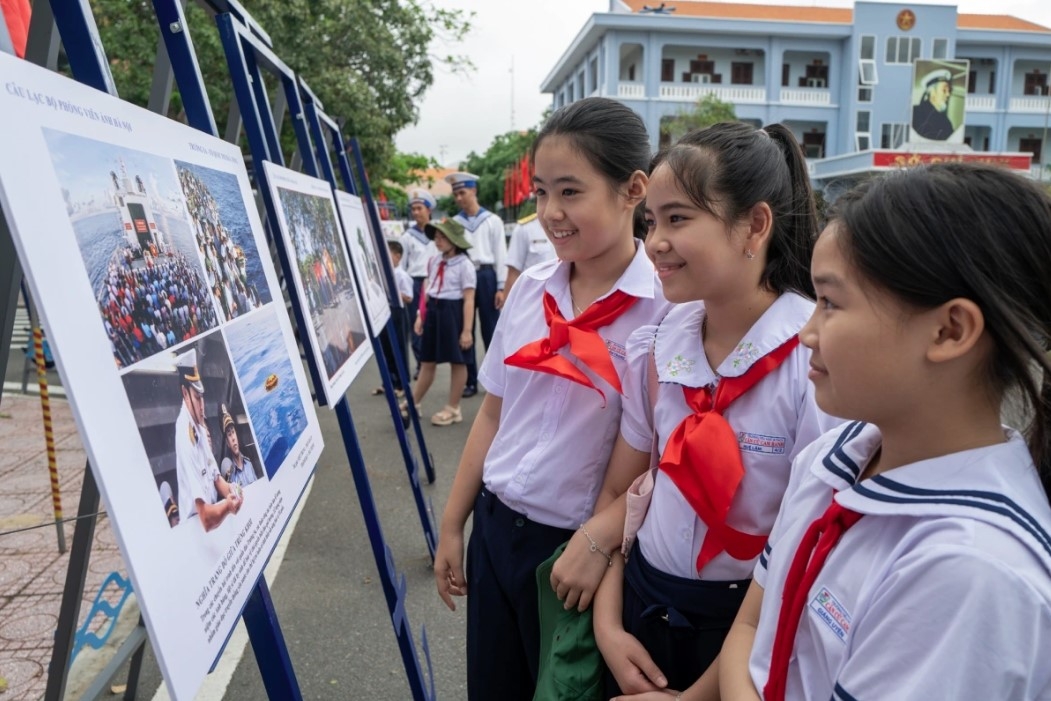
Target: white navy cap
(423,197)
(461,180)
(186,364)
(941,75)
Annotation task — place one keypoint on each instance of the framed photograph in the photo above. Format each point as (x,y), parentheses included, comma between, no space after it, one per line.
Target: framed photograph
(142,246)
(366,259)
(322,275)
(939,101)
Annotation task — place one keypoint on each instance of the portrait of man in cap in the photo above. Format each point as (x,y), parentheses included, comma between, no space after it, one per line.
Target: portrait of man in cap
(932,115)
(202,491)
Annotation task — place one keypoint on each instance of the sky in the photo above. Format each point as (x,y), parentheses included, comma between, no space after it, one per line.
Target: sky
(460,114)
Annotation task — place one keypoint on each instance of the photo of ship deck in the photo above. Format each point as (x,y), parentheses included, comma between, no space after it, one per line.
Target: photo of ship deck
(131,226)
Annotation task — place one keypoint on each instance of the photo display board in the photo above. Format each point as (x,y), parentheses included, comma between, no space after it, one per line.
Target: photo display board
(366,259)
(322,274)
(144,251)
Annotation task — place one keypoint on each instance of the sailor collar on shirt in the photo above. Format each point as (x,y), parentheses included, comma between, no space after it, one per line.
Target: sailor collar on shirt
(637,280)
(419,235)
(995,484)
(473,222)
(454,261)
(681,329)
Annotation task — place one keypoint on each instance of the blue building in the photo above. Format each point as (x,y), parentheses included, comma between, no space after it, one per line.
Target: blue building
(841,79)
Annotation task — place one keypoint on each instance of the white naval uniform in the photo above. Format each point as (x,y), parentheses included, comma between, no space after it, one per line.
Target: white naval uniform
(195,465)
(942,590)
(485,232)
(417,249)
(529,246)
(773,421)
(549,455)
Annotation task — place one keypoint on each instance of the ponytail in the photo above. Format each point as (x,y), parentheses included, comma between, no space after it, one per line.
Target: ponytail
(788,260)
(1040,431)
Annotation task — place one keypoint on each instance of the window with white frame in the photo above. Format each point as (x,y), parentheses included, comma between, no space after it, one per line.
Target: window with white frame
(893,135)
(868,47)
(863,130)
(940,48)
(867,60)
(903,49)
(864,93)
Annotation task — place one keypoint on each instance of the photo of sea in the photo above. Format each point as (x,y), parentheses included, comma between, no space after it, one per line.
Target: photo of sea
(131,228)
(224,238)
(268,384)
(324,276)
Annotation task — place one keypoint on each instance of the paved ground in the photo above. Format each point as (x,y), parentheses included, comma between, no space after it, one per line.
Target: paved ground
(326,591)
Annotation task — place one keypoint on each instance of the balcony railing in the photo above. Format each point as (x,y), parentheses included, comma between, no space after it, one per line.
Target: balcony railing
(1030,103)
(981,103)
(631,91)
(736,94)
(806,96)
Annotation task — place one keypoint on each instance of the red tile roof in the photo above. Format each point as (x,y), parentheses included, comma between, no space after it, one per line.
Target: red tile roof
(834,15)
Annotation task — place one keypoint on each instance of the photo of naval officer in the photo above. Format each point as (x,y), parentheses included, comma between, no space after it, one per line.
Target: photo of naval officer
(939,97)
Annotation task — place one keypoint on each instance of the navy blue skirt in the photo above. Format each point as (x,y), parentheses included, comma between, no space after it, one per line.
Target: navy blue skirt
(442,327)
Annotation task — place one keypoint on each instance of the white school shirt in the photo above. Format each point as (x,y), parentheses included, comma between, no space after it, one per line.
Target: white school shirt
(549,455)
(417,249)
(459,276)
(942,590)
(403,282)
(485,232)
(529,246)
(773,421)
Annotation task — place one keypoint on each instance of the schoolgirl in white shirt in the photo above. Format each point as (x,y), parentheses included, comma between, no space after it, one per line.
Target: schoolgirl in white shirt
(912,556)
(731,221)
(534,461)
(446,317)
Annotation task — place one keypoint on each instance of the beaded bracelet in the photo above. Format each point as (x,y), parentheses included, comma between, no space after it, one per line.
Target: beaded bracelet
(595,548)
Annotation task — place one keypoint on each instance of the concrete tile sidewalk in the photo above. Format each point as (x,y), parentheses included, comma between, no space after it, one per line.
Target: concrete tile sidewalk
(32,571)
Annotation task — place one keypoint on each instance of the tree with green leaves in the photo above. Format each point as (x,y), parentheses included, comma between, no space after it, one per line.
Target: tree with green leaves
(505,151)
(369,61)
(707,111)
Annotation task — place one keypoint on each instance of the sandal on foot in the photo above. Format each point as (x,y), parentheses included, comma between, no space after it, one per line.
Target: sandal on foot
(378,392)
(447,416)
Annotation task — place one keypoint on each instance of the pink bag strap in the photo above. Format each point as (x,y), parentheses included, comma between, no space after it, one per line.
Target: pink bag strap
(652,387)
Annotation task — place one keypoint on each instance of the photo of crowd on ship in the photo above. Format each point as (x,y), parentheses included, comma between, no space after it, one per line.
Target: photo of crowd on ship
(222,234)
(148,308)
(324,276)
(130,224)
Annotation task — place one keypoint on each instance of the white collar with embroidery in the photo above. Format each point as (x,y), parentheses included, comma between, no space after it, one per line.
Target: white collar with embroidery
(681,329)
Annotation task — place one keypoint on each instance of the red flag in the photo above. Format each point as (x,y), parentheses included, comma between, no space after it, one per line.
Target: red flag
(382,201)
(525,184)
(16,12)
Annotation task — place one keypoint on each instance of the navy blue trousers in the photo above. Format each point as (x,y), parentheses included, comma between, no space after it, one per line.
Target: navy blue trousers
(400,317)
(487,314)
(503,620)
